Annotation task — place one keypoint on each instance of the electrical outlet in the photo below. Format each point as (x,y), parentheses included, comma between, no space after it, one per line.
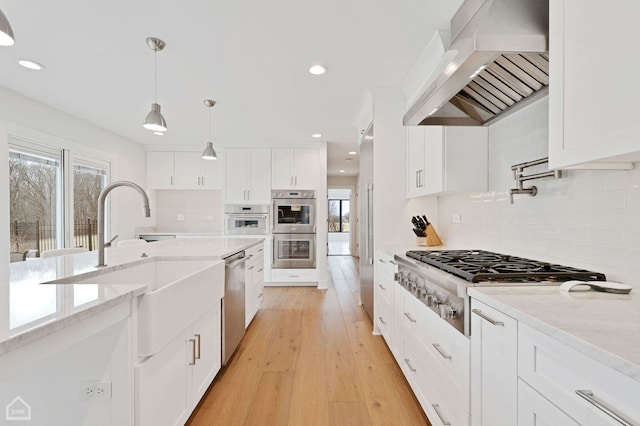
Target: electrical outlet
(456,218)
(180,217)
(95,389)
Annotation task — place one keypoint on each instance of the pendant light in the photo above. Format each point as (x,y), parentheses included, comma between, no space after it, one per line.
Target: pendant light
(155,121)
(6,33)
(209,153)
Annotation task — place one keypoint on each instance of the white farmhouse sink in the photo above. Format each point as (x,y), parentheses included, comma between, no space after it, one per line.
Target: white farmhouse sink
(178,292)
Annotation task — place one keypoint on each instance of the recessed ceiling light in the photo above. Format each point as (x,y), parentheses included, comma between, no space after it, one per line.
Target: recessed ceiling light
(341,171)
(158,133)
(31,64)
(316,135)
(317,69)
(352,153)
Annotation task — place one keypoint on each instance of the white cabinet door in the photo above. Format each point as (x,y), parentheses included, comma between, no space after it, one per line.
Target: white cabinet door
(306,168)
(415,161)
(535,410)
(494,367)
(593,108)
(259,179)
(236,176)
(434,161)
(282,168)
(208,337)
(161,386)
(160,170)
(213,172)
(188,170)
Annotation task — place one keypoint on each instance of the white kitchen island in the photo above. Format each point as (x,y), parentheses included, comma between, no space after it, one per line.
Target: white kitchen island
(68,351)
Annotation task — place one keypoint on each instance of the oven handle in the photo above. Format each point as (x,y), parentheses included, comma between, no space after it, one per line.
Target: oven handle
(484,316)
(247,215)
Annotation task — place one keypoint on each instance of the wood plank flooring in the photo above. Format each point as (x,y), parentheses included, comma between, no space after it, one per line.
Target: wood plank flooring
(309,358)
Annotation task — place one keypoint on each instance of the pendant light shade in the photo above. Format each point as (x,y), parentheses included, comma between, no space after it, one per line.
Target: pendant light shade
(155,121)
(209,153)
(6,33)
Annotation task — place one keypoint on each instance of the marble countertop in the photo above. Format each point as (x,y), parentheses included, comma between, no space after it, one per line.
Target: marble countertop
(30,309)
(603,326)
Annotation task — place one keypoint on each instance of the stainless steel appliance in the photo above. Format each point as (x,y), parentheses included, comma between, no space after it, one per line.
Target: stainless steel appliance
(294,251)
(497,63)
(246,219)
(440,278)
(294,212)
(233,304)
(150,238)
(365,224)
(294,229)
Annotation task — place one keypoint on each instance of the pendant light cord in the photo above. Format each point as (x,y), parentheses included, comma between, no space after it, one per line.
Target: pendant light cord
(155,73)
(209,125)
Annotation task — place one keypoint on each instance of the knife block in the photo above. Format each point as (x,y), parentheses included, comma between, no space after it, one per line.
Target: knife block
(432,236)
(422,241)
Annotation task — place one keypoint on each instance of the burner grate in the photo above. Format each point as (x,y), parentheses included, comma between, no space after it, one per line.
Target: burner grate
(480,266)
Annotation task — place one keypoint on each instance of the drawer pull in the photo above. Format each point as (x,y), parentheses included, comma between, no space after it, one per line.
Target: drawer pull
(260,270)
(482,315)
(250,268)
(197,354)
(392,262)
(436,408)
(408,362)
(382,321)
(260,296)
(440,351)
(193,352)
(382,287)
(409,317)
(602,406)
(381,261)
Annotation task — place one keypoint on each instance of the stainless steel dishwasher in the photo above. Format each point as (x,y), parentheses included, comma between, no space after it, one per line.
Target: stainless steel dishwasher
(233,304)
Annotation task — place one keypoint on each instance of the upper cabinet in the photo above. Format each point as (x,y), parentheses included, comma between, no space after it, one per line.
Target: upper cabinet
(294,168)
(247,176)
(446,159)
(593,108)
(183,170)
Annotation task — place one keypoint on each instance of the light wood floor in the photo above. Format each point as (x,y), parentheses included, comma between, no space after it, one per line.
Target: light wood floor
(309,358)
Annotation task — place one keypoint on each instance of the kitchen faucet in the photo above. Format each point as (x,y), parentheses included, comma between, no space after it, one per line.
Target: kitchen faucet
(101,216)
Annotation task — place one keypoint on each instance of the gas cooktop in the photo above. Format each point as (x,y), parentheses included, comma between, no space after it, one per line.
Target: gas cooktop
(480,265)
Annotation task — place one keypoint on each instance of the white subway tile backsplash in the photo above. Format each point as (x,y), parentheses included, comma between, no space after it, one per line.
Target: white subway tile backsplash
(194,206)
(588,218)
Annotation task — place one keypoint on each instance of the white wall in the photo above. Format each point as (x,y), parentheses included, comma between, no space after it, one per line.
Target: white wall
(25,118)
(588,219)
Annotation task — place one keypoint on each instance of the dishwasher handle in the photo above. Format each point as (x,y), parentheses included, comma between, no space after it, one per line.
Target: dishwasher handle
(235,263)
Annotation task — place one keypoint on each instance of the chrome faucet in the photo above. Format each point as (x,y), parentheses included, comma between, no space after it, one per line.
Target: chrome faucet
(101,216)
(520,178)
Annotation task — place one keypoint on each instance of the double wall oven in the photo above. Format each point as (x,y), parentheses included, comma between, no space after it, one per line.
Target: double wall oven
(294,229)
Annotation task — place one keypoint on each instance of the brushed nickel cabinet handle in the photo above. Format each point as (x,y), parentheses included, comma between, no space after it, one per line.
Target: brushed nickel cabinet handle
(602,406)
(382,287)
(436,408)
(392,262)
(382,321)
(197,351)
(381,261)
(484,316)
(409,317)
(440,351)
(408,362)
(193,351)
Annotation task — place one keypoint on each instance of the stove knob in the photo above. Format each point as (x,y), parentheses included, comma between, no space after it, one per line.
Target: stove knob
(447,312)
(433,301)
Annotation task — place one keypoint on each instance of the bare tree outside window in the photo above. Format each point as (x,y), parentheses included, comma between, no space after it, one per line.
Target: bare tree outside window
(338,215)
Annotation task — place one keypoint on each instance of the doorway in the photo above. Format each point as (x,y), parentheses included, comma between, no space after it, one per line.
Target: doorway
(339,215)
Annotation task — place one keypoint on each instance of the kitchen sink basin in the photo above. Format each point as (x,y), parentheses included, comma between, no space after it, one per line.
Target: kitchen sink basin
(178,292)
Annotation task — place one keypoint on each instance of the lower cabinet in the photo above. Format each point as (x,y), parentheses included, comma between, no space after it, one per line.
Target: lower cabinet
(494,367)
(522,376)
(254,281)
(170,383)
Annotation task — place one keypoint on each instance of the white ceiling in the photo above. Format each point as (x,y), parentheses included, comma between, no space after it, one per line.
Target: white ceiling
(251,57)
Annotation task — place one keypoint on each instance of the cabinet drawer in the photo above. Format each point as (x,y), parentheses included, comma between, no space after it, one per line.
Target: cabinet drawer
(384,290)
(384,320)
(413,321)
(294,275)
(557,371)
(449,351)
(428,386)
(535,410)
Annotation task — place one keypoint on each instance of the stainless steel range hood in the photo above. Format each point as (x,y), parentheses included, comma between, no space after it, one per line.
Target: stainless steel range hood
(498,62)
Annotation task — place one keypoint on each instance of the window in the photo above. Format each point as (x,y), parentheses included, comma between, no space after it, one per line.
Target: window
(338,215)
(51,205)
(35,199)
